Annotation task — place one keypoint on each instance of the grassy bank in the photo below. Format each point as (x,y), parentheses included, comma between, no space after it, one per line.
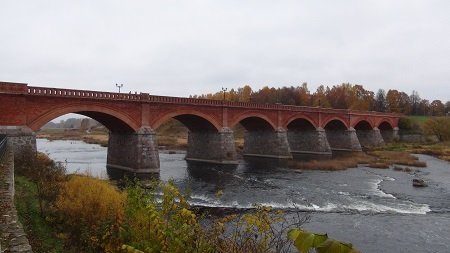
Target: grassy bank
(95,137)
(41,235)
(440,150)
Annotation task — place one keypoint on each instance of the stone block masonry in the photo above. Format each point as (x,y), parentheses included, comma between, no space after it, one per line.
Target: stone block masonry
(131,119)
(267,143)
(309,142)
(343,140)
(134,152)
(21,138)
(212,147)
(12,236)
(370,138)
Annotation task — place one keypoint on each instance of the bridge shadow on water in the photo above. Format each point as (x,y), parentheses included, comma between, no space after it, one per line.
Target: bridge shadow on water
(217,174)
(122,177)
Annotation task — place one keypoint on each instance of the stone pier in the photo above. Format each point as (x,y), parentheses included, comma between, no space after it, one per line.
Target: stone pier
(343,140)
(212,146)
(389,135)
(309,142)
(134,152)
(267,143)
(370,138)
(21,138)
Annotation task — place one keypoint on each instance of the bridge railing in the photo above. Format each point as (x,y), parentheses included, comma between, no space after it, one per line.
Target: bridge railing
(145,97)
(3,142)
(81,93)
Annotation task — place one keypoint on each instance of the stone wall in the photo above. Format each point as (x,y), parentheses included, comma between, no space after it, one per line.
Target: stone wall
(134,152)
(213,147)
(12,236)
(309,141)
(267,143)
(370,138)
(21,138)
(345,140)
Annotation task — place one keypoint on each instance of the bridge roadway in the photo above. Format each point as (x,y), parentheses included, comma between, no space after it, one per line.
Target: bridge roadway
(272,130)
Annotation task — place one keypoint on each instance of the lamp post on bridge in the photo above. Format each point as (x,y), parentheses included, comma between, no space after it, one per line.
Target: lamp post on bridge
(119,86)
(224,90)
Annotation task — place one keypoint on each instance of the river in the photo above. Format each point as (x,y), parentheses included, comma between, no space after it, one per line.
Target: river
(377,210)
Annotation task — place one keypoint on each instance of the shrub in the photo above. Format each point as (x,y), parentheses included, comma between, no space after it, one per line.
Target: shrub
(439,127)
(45,173)
(166,226)
(87,209)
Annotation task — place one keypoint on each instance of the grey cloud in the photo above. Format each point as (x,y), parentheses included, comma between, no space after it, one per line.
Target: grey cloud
(190,47)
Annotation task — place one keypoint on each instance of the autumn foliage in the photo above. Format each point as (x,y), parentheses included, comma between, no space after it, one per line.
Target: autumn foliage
(342,96)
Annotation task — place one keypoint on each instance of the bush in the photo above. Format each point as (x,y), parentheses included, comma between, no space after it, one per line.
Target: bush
(166,226)
(45,173)
(439,127)
(87,209)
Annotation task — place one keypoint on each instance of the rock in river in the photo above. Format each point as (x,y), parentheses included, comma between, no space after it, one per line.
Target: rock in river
(419,183)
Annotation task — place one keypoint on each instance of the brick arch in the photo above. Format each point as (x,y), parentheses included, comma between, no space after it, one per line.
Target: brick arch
(362,119)
(176,113)
(301,116)
(251,114)
(363,125)
(390,123)
(104,114)
(329,119)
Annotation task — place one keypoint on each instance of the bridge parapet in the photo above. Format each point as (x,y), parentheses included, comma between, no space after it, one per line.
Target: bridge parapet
(43,91)
(21,88)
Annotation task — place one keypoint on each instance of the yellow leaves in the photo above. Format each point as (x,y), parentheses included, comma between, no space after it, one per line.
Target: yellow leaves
(219,194)
(304,241)
(89,199)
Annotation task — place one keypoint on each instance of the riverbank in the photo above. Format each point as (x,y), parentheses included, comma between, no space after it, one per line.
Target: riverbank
(379,157)
(85,214)
(439,150)
(354,205)
(93,137)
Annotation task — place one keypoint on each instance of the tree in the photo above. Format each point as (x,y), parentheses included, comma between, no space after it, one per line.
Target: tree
(84,124)
(380,101)
(319,98)
(415,100)
(437,108)
(245,93)
(423,107)
(439,127)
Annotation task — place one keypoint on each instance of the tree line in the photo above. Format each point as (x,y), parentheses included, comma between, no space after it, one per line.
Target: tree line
(342,96)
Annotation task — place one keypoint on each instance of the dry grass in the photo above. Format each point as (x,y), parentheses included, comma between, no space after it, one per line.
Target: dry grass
(343,162)
(375,159)
(440,150)
(93,137)
(398,157)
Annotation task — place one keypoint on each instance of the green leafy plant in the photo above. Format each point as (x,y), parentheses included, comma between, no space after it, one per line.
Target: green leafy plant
(306,241)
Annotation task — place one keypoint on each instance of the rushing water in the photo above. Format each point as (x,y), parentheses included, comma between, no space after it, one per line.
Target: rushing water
(377,210)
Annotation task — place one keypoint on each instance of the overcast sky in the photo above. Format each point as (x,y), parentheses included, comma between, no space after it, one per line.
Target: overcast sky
(179,48)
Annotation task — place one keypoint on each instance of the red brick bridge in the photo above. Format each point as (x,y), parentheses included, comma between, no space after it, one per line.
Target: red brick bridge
(272,130)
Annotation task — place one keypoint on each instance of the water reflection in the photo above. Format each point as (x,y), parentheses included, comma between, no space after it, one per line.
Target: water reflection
(118,175)
(217,174)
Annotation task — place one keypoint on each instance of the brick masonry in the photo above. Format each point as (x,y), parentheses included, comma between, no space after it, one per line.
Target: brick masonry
(131,118)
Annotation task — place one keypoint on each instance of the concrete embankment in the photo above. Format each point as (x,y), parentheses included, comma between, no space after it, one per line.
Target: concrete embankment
(12,236)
